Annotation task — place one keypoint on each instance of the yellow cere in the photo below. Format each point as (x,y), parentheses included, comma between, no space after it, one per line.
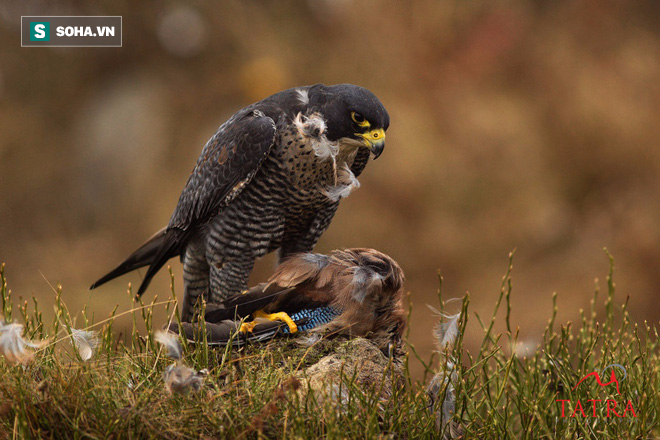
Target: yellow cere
(373,137)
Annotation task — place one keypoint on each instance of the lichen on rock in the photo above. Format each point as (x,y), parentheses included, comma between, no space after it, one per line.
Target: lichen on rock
(355,363)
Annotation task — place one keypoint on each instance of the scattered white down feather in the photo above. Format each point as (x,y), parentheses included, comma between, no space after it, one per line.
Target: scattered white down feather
(14,347)
(319,259)
(178,377)
(363,279)
(310,126)
(171,343)
(347,182)
(443,400)
(446,330)
(308,339)
(441,389)
(86,342)
(313,128)
(303,95)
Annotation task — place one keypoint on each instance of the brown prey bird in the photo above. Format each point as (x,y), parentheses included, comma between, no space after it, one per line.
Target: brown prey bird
(352,292)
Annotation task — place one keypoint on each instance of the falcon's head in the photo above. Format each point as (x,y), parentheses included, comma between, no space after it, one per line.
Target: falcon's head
(352,114)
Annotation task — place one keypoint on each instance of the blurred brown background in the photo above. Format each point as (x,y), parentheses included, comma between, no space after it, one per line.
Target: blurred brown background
(531,125)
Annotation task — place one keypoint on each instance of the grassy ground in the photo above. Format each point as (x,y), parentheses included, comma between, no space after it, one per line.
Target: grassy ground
(255,393)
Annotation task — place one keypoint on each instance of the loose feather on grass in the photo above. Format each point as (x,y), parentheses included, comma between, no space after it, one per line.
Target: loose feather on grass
(15,348)
(171,343)
(446,330)
(180,378)
(86,342)
(441,389)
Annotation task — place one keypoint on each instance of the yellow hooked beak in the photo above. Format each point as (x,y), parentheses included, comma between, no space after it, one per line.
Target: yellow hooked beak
(374,140)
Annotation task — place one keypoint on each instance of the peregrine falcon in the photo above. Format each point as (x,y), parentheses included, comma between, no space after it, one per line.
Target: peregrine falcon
(354,292)
(270,178)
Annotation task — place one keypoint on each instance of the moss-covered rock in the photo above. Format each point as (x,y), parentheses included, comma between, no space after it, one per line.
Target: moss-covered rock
(355,363)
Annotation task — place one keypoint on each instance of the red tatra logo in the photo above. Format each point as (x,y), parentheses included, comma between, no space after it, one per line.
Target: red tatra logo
(610,405)
(613,378)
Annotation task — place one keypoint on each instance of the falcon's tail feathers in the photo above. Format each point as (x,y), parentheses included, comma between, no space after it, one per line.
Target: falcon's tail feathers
(154,253)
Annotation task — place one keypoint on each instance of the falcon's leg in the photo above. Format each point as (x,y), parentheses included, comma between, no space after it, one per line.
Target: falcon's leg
(279,316)
(292,247)
(229,278)
(195,281)
(305,242)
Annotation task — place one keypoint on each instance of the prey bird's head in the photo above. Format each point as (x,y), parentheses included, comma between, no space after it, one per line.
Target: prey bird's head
(353,115)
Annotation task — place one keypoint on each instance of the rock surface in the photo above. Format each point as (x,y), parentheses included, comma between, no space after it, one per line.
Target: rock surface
(354,363)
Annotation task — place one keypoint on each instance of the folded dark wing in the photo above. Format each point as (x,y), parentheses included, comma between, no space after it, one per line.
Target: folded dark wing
(227,164)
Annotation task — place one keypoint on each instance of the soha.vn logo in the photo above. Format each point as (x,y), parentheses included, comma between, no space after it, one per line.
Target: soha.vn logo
(598,407)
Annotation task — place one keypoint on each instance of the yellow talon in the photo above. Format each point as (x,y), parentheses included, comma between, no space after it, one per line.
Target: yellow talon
(279,316)
(247,327)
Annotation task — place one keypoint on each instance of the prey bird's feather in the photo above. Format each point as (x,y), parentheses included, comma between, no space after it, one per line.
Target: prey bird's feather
(325,291)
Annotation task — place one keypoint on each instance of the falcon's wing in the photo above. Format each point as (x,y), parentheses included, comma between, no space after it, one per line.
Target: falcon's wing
(228,162)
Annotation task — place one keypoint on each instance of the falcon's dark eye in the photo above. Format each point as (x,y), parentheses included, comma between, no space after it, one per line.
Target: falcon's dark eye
(358,118)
